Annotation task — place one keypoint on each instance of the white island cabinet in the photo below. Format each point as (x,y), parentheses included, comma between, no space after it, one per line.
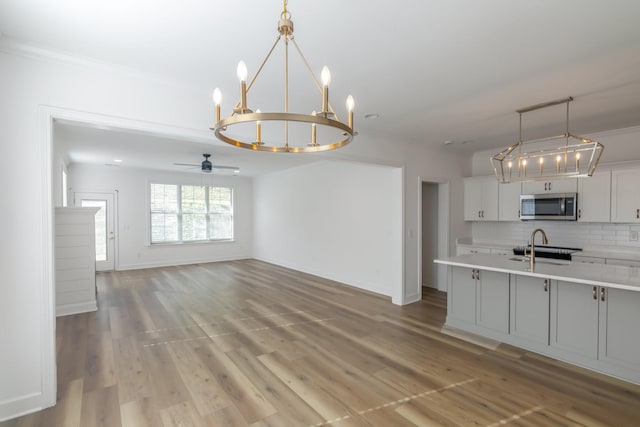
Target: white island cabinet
(462,288)
(597,323)
(479,298)
(529,310)
(585,314)
(619,338)
(574,319)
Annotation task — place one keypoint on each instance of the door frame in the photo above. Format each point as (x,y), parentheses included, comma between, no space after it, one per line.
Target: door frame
(114,219)
(46,396)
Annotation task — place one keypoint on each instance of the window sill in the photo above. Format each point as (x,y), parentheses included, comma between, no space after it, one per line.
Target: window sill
(194,242)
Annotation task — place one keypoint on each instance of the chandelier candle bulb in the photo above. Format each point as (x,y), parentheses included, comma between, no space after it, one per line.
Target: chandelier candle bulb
(325,76)
(510,165)
(258,129)
(350,106)
(242,76)
(524,167)
(558,158)
(313,134)
(577,162)
(217,99)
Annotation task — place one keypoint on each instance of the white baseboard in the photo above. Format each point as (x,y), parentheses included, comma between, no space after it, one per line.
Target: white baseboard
(124,267)
(19,406)
(76,308)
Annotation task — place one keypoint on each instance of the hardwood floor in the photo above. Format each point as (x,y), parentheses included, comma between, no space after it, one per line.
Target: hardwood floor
(245,343)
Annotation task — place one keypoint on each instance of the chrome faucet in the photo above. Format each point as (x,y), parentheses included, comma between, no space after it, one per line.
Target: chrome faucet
(532,258)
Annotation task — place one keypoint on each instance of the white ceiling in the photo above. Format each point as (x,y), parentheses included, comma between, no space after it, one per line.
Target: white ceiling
(434,70)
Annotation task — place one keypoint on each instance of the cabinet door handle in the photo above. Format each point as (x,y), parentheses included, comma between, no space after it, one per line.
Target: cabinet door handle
(595,293)
(549,186)
(546,285)
(601,294)
(477,274)
(479,214)
(638,213)
(473,273)
(579,213)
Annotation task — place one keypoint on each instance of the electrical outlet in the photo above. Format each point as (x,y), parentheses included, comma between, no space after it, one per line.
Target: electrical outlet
(633,236)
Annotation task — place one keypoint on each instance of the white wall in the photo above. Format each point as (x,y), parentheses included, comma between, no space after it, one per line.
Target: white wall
(32,86)
(332,219)
(132,231)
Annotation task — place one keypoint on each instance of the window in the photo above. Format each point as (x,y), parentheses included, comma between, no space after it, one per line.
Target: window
(64,188)
(187,213)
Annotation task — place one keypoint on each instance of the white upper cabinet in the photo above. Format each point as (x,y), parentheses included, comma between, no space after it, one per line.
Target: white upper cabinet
(481,199)
(564,185)
(509,198)
(594,198)
(625,195)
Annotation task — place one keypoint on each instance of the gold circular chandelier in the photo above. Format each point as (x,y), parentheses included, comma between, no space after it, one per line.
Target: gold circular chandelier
(326,131)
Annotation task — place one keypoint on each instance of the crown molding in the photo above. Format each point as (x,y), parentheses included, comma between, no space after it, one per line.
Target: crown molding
(13,46)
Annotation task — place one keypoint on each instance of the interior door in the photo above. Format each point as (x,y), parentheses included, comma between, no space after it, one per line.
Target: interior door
(105,232)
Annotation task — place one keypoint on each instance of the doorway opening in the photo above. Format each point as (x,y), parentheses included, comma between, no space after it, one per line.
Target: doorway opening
(105,226)
(434,235)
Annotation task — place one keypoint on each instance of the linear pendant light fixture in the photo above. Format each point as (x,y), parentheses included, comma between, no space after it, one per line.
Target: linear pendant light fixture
(325,131)
(563,156)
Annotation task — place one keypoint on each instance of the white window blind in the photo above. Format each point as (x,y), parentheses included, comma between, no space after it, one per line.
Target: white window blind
(186,213)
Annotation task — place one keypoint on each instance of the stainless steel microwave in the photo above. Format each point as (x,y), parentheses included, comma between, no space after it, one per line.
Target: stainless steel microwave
(559,206)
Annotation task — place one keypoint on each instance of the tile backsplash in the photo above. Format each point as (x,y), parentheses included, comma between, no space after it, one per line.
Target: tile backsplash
(560,233)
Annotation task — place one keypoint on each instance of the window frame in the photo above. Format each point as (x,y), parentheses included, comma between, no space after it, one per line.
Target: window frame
(179,215)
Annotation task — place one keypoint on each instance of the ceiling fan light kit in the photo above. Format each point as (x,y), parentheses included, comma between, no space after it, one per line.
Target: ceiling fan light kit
(562,156)
(326,118)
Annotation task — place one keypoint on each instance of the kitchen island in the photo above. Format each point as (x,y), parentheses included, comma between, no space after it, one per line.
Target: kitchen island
(585,314)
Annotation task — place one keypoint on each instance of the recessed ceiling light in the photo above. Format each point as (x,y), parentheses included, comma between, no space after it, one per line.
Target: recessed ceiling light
(449,142)
(117,160)
(372,116)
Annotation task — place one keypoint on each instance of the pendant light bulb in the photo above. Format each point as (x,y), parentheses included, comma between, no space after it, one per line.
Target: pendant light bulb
(242,71)
(325,76)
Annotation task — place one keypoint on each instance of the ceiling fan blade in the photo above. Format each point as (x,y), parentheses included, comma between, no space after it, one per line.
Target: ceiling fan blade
(185,164)
(225,167)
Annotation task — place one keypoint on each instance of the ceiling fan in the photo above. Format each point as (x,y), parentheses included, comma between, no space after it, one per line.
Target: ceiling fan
(207,167)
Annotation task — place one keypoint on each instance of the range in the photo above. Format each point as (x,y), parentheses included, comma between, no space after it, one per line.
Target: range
(542,251)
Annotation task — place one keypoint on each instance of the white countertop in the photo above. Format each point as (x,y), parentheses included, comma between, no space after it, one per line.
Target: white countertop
(611,276)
